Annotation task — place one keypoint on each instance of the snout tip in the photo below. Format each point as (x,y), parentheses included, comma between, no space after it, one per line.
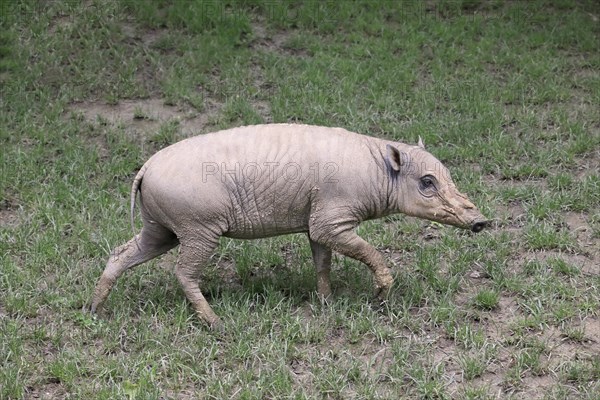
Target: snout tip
(478,226)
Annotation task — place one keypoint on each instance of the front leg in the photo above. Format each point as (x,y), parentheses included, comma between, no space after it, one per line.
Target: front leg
(351,245)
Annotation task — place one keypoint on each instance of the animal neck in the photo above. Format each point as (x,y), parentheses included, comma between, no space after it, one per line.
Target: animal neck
(379,197)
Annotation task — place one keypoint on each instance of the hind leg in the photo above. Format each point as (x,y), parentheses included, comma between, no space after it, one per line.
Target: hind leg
(153,241)
(193,255)
(322,259)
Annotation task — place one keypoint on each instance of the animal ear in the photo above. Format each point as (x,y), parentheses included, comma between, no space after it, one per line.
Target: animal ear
(421,145)
(394,157)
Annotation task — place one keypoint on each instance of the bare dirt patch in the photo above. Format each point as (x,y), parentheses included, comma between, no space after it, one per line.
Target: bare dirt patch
(513,215)
(273,41)
(142,118)
(9,217)
(151,36)
(50,390)
(588,166)
(591,329)
(578,224)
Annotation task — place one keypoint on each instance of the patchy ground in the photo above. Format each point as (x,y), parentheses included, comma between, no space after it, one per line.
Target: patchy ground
(90,92)
(143,118)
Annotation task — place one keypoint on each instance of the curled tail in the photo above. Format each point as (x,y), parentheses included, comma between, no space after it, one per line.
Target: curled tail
(135,187)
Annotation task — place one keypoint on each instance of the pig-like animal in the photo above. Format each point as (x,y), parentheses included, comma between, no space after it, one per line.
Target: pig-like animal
(266,180)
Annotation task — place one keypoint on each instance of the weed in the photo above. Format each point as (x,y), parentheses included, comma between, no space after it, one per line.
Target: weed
(543,236)
(486,299)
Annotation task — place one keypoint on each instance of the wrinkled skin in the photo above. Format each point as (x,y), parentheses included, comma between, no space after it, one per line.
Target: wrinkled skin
(267,180)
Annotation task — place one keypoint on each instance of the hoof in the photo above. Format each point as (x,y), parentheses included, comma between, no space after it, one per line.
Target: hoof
(94,309)
(382,294)
(325,299)
(96,313)
(217,326)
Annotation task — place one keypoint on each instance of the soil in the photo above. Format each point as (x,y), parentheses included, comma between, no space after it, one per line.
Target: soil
(143,118)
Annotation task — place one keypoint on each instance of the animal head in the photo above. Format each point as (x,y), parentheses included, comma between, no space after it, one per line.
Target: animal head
(425,189)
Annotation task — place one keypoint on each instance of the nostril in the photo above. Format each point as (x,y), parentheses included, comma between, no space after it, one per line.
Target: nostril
(478,226)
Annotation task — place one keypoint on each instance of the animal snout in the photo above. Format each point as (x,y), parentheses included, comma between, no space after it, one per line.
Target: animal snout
(478,226)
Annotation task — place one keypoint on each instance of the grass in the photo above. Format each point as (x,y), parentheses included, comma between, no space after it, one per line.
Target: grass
(504,93)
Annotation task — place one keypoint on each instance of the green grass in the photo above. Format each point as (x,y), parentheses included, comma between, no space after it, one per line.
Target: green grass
(504,93)
(486,299)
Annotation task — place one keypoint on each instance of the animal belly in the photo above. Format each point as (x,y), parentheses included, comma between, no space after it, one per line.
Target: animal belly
(263,229)
(273,221)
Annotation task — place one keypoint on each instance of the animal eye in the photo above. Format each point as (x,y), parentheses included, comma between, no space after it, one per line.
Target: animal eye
(427,183)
